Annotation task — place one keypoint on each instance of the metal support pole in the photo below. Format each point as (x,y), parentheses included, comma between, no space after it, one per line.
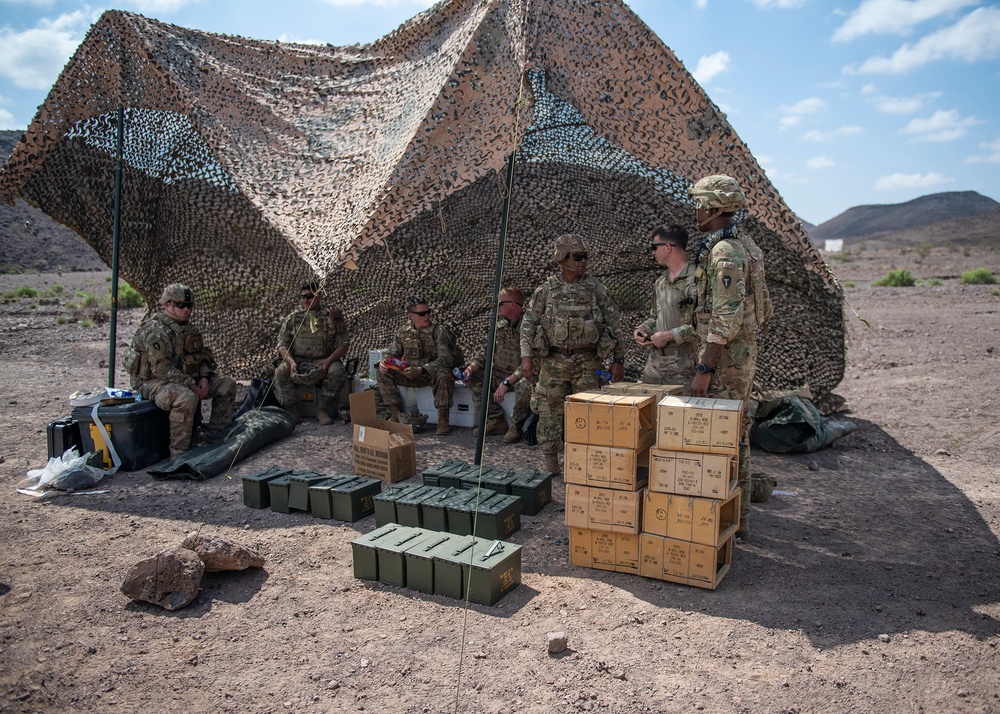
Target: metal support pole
(491,337)
(115,236)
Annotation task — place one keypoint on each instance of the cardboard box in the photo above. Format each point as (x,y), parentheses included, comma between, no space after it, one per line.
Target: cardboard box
(382,449)
(657,391)
(607,466)
(709,521)
(698,424)
(603,509)
(691,473)
(677,561)
(604,550)
(599,419)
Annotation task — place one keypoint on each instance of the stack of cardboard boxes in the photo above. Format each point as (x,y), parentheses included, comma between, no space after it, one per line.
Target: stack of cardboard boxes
(668,512)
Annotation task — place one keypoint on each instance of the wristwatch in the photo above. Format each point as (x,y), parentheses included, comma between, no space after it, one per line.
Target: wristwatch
(505,382)
(702,368)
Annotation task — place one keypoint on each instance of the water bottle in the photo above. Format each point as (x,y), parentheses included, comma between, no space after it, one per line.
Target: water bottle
(458,374)
(603,374)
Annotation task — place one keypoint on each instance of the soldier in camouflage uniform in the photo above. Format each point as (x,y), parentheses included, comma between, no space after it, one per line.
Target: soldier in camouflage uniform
(668,332)
(506,373)
(170,365)
(431,353)
(572,326)
(311,346)
(732,303)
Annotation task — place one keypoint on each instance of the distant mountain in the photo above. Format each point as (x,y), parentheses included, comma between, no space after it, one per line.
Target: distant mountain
(864,222)
(42,245)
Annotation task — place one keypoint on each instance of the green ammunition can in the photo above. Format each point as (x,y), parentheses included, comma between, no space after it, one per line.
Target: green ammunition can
(498,480)
(298,488)
(353,497)
(462,508)
(448,561)
(408,511)
(385,503)
(420,562)
(320,501)
(392,554)
(365,551)
(434,510)
(535,489)
(493,570)
(278,491)
(432,476)
(256,493)
(498,517)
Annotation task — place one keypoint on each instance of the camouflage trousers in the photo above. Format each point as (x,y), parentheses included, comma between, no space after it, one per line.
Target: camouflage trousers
(522,396)
(560,375)
(671,365)
(181,403)
(733,379)
(443,383)
(328,393)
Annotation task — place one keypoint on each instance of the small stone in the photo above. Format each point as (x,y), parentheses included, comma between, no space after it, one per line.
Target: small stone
(220,554)
(557,642)
(941,452)
(884,638)
(170,579)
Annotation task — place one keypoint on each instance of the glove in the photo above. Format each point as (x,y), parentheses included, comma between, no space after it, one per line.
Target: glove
(412,372)
(336,316)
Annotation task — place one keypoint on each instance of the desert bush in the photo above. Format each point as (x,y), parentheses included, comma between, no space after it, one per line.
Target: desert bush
(22,292)
(978,276)
(53,291)
(61,319)
(88,299)
(934,282)
(848,284)
(128,296)
(896,279)
(922,250)
(86,323)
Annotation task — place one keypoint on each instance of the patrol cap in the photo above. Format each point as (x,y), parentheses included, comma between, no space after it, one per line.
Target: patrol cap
(718,191)
(567,244)
(176,292)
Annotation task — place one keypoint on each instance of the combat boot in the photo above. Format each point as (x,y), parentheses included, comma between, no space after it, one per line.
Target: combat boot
(393,414)
(496,427)
(513,434)
(551,463)
(295,413)
(443,426)
(323,413)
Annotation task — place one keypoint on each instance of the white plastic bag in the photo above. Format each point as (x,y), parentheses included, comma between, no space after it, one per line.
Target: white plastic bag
(68,472)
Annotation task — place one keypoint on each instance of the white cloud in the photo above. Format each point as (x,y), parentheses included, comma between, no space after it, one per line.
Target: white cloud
(701,4)
(820,162)
(33,59)
(7,120)
(911,181)
(838,133)
(36,3)
(780,4)
(894,17)
(710,66)
(792,115)
(974,38)
(992,155)
(868,88)
(903,105)
(159,7)
(940,126)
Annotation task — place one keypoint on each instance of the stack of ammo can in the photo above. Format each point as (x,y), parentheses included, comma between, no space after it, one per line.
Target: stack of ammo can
(339,497)
(667,512)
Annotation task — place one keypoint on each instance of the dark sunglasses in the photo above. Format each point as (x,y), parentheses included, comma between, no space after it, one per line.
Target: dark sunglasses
(654,246)
(306,296)
(508,302)
(578,256)
(183,305)
(422,313)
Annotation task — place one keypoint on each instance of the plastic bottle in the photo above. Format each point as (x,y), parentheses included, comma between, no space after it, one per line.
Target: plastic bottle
(459,374)
(604,374)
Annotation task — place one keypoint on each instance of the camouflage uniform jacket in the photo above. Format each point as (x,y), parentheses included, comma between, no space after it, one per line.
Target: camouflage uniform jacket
(506,348)
(580,316)
(309,335)
(668,314)
(433,348)
(726,306)
(171,351)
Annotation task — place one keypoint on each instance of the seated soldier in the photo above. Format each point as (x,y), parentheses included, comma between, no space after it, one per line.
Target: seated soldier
(506,375)
(311,345)
(170,365)
(430,353)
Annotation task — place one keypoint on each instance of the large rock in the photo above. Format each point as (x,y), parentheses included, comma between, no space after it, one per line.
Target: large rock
(170,579)
(220,554)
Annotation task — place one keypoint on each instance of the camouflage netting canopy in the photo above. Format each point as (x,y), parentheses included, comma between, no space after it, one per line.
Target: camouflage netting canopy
(251,166)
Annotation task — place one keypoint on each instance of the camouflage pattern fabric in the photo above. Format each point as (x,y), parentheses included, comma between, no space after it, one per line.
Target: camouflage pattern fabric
(432,348)
(559,376)
(311,337)
(506,363)
(673,364)
(172,357)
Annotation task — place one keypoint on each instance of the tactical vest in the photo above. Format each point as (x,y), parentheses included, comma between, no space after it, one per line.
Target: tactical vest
(757,306)
(419,346)
(189,349)
(312,335)
(572,320)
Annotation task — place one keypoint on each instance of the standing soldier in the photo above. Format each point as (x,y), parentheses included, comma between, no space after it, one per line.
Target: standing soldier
(667,332)
(171,366)
(506,373)
(572,325)
(431,353)
(311,346)
(732,304)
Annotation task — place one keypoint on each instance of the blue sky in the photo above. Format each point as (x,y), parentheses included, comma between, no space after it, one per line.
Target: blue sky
(843,103)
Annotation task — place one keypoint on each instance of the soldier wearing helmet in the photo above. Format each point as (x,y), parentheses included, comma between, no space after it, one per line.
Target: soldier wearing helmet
(571,327)
(170,365)
(732,303)
(312,345)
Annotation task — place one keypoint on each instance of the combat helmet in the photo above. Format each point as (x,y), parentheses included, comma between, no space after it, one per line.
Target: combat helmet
(567,244)
(176,292)
(308,374)
(718,193)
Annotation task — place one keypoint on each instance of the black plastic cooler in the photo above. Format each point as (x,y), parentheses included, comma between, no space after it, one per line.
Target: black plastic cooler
(139,431)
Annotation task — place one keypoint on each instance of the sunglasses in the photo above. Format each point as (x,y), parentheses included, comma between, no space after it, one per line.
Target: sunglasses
(183,305)
(578,256)
(306,296)
(654,246)
(508,302)
(422,313)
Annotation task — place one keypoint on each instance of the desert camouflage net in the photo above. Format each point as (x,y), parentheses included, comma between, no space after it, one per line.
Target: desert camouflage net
(251,166)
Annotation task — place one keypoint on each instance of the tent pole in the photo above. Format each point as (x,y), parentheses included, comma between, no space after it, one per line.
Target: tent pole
(491,336)
(115,236)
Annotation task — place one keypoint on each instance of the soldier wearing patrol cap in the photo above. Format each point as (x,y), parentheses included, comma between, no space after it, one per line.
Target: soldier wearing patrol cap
(732,303)
(170,365)
(572,326)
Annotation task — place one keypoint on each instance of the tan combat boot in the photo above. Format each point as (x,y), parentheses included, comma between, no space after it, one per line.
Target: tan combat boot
(551,463)
(496,427)
(443,426)
(513,434)
(323,413)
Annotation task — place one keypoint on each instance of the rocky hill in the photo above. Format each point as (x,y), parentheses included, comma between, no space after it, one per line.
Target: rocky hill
(31,241)
(968,208)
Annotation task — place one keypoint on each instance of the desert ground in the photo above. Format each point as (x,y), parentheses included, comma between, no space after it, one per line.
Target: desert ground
(873,586)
